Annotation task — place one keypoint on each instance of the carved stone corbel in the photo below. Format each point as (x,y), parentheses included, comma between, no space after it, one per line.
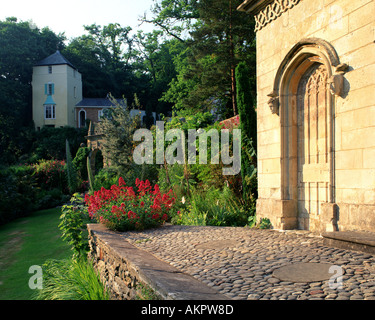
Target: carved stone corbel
(336,82)
(274,102)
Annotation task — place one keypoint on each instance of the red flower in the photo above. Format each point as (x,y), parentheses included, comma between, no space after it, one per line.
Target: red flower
(121,182)
(122,206)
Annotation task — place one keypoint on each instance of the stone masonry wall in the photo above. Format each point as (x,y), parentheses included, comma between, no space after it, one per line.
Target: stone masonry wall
(123,281)
(132,273)
(350,27)
(92,114)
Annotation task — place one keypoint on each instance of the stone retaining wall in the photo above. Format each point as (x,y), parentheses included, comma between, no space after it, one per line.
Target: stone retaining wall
(119,276)
(132,273)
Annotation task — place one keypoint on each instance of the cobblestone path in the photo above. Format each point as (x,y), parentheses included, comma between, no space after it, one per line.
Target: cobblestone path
(240,262)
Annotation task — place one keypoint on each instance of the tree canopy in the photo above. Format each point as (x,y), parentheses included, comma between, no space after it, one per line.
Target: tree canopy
(186,63)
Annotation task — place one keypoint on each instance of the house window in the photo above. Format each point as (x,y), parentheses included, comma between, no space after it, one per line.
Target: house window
(49,111)
(49,89)
(49,69)
(100,114)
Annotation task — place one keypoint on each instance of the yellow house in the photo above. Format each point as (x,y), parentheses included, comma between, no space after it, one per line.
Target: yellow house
(57,88)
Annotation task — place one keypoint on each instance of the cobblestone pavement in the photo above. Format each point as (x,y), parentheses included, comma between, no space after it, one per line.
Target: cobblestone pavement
(239,262)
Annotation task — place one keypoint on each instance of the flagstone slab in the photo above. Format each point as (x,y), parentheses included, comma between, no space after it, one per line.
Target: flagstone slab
(304,272)
(352,240)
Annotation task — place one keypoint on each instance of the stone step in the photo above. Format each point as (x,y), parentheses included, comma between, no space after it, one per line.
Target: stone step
(352,240)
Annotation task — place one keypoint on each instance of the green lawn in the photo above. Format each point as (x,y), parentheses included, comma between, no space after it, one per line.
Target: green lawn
(26,242)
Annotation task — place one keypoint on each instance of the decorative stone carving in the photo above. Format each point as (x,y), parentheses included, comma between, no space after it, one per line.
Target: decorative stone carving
(274,103)
(310,47)
(336,82)
(272,12)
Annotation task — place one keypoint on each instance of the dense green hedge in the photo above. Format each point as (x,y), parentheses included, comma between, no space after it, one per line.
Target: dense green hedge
(26,188)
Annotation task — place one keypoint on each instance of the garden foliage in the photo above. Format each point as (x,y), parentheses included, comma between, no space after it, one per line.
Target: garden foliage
(118,127)
(73,221)
(210,198)
(26,188)
(71,279)
(124,208)
(248,126)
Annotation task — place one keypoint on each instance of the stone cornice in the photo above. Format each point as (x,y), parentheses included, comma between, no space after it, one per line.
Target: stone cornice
(253,6)
(266,11)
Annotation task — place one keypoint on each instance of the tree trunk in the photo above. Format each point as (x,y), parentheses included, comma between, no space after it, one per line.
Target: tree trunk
(232,64)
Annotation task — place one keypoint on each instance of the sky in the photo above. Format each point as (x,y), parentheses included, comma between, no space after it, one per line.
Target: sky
(69,16)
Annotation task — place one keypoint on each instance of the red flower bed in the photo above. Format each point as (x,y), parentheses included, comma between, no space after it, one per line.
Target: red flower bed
(122,208)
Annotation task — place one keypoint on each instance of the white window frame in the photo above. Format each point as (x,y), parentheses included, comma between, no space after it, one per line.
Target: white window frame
(79,117)
(50,69)
(51,109)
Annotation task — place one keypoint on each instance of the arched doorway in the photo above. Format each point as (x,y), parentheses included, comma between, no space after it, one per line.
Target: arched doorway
(82,119)
(313,140)
(304,97)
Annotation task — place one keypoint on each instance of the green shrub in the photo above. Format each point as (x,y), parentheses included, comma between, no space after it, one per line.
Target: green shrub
(105,178)
(47,199)
(50,142)
(18,191)
(213,207)
(265,223)
(73,225)
(90,175)
(80,162)
(71,171)
(190,218)
(73,279)
(51,174)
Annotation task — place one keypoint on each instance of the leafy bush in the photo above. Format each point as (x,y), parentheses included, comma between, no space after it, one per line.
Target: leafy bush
(205,176)
(80,162)
(18,193)
(118,127)
(46,199)
(105,178)
(190,218)
(50,174)
(71,171)
(265,223)
(121,208)
(73,225)
(72,279)
(50,143)
(213,207)
(26,188)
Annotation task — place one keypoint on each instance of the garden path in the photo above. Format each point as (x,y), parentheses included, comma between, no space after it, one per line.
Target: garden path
(253,264)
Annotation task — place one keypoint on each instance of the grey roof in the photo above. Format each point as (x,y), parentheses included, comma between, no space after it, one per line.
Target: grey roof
(54,59)
(96,102)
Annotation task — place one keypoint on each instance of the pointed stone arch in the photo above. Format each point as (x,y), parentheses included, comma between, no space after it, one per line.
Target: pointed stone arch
(309,77)
(303,49)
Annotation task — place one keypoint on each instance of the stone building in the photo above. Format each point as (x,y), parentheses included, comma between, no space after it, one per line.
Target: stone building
(316,113)
(57,88)
(57,96)
(92,109)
